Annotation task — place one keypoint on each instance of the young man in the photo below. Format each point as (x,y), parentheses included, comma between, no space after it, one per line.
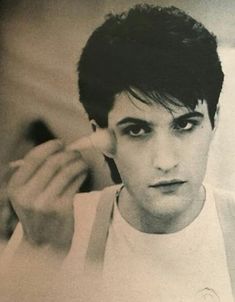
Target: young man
(152,78)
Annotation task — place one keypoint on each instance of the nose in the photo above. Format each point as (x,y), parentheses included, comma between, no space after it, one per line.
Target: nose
(165,152)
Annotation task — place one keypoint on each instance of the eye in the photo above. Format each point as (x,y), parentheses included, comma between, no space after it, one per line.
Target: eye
(137,130)
(185,125)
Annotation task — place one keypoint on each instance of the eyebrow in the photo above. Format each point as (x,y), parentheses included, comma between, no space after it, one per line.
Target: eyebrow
(182,117)
(189,115)
(131,120)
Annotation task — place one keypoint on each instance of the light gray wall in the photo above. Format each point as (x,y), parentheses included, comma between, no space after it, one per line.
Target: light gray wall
(40,44)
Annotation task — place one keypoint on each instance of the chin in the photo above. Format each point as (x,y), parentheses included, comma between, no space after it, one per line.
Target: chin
(169,207)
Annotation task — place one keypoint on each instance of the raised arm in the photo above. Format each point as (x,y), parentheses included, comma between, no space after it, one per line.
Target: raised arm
(42,191)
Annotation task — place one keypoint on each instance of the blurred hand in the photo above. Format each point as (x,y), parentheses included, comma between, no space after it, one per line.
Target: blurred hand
(41,192)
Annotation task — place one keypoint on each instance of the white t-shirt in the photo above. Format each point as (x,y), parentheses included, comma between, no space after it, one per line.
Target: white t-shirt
(186,266)
(189,265)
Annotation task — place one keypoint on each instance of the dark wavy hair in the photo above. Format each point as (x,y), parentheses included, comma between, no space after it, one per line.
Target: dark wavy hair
(161,53)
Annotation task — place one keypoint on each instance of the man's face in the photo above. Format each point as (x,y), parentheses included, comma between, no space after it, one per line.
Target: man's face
(161,155)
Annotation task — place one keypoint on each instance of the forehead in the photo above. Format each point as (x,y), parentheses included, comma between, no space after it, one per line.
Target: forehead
(126,105)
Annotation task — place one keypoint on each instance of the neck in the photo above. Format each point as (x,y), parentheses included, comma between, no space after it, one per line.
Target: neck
(144,221)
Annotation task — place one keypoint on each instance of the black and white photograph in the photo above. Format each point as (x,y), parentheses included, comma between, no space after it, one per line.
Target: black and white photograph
(117,162)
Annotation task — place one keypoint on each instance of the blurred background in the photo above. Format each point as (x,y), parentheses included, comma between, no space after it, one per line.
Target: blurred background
(40,44)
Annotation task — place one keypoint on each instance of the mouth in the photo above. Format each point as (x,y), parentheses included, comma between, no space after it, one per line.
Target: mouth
(168,186)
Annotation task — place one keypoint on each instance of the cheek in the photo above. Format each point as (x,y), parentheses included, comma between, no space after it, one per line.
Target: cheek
(127,164)
(132,164)
(197,154)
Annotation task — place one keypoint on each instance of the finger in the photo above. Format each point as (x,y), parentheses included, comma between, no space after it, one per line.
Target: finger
(49,169)
(73,187)
(65,201)
(63,178)
(33,160)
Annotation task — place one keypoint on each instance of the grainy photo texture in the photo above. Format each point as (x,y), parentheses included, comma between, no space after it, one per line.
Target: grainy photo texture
(117,166)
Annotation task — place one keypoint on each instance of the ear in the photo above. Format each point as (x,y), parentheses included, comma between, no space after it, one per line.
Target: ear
(216,118)
(94,125)
(103,140)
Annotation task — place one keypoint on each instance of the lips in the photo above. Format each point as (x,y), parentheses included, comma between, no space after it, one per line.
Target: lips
(168,186)
(166,183)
